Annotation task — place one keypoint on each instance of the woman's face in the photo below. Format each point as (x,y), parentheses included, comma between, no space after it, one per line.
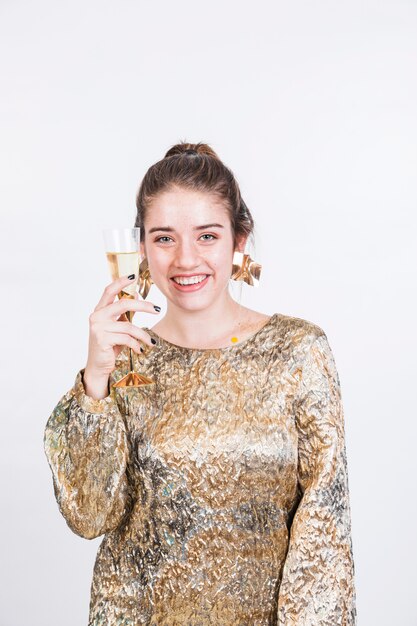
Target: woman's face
(189,233)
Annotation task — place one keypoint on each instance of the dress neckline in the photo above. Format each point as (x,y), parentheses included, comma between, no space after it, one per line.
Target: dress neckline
(249,339)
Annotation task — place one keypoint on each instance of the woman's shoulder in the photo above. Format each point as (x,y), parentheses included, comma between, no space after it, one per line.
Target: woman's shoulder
(284,325)
(292,332)
(299,325)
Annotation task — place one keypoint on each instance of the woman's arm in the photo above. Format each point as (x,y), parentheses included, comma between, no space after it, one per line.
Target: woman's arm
(86,445)
(317,587)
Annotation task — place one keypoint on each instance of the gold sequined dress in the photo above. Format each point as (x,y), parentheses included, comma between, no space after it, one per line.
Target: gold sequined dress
(221,491)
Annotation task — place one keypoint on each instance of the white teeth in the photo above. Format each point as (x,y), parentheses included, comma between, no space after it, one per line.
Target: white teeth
(190,281)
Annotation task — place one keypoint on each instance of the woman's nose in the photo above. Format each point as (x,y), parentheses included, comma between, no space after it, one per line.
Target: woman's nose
(187,256)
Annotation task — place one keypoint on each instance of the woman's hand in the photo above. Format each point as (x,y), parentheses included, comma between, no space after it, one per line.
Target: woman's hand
(108,335)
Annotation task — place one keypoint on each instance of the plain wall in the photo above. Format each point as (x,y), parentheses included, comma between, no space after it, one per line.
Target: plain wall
(313,106)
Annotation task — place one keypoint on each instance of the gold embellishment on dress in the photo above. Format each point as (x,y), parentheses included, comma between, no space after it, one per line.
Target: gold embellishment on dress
(222,491)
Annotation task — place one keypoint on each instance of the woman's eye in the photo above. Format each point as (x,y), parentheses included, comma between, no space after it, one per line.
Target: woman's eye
(205,235)
(159,238)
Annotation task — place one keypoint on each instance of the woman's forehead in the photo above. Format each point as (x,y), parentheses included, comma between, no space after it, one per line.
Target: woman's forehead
(185,209)
(186,197)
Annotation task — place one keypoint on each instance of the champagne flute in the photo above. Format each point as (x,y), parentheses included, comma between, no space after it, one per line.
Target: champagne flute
(122,247)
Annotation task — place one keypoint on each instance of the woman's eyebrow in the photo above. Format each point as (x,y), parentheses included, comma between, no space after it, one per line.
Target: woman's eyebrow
(169,229)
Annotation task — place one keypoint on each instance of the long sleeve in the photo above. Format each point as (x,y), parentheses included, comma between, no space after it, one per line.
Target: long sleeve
(317,586)
(87,449)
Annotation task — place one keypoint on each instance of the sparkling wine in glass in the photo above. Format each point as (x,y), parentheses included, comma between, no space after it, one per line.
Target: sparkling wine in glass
(122,247)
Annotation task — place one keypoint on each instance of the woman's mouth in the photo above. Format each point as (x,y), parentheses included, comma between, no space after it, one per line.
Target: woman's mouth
(194,283)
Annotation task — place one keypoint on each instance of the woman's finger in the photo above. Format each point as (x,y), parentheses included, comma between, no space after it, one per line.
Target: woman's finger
(129,329)
(111,291)
(125,340)
(113,310)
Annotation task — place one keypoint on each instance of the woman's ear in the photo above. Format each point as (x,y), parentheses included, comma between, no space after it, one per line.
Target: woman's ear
(241,243)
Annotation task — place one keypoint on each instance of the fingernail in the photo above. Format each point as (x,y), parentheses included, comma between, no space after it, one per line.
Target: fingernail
(157,308)
(153,340)
(142,350)
(131,277)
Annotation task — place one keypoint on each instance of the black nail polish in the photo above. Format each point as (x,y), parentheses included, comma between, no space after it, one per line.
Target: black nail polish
(153,340)
(131,277)
(156,307)
(142,350)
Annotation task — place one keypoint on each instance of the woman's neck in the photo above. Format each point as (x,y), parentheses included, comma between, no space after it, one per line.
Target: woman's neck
(203,328)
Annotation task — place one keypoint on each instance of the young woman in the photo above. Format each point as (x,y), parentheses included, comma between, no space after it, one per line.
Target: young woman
(222,489)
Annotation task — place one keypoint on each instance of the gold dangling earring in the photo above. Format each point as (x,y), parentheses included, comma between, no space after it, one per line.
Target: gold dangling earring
(144,279)
(245,269)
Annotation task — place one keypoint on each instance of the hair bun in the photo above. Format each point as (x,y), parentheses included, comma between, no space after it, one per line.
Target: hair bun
(191,149)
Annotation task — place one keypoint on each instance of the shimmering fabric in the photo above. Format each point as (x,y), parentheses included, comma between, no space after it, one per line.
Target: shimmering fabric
(222,489)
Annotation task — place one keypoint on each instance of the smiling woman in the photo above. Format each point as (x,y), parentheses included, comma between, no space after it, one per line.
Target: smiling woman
(192,220)
(222,489)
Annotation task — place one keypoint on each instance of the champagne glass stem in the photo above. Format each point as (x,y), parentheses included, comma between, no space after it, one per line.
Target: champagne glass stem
(130,315)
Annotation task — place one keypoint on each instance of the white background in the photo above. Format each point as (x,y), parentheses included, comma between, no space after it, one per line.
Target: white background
(313,106)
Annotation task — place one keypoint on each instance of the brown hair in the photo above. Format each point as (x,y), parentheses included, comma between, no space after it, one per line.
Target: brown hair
(197,167)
